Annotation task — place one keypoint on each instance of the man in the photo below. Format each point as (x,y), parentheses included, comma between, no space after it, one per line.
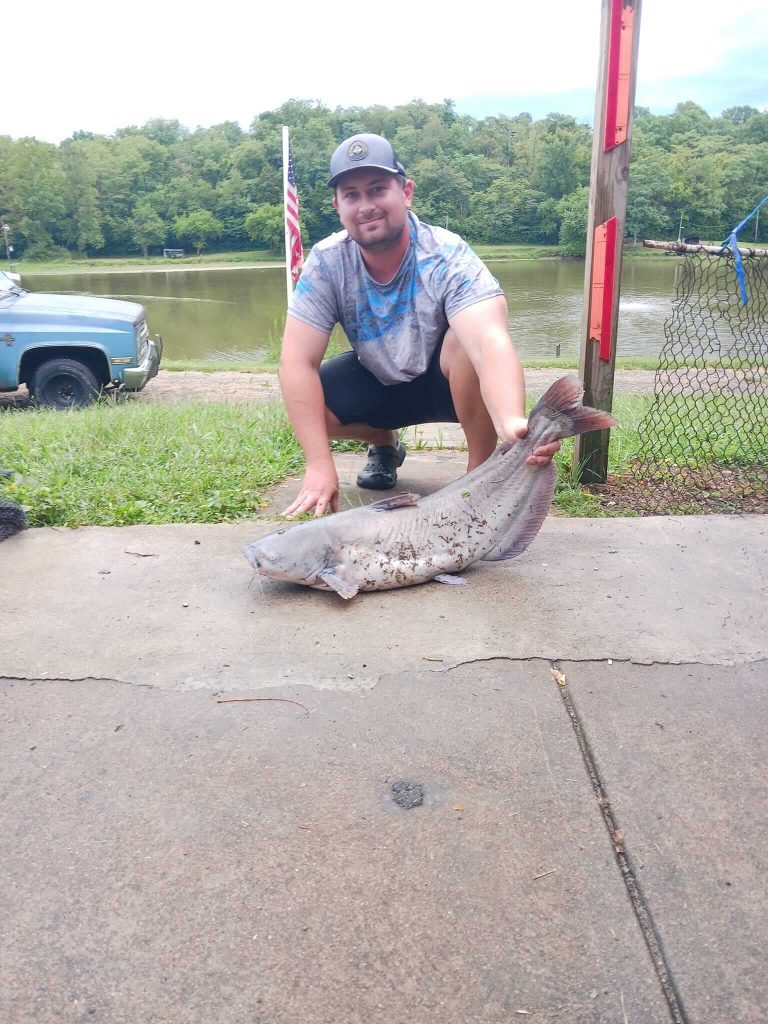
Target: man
(427,323)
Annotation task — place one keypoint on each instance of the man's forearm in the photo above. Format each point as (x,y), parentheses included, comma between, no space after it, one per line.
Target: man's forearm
(305,405)
(502,382)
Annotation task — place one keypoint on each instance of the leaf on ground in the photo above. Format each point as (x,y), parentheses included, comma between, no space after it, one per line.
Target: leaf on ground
(560,677)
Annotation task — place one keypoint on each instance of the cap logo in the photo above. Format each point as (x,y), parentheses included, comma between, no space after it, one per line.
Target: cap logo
(357,150)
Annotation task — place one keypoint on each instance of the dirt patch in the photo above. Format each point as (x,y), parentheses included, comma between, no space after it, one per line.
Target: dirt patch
(710,489)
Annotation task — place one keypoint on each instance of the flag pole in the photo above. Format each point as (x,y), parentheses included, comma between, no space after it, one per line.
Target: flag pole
(288,279)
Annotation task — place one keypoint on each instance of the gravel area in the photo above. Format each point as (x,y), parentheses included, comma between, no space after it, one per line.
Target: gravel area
(174,386)
(230,386)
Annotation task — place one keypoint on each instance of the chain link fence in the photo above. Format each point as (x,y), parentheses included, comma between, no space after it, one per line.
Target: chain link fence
(703,445)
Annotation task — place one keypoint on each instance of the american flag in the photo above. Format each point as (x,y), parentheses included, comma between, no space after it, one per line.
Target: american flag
(296,253)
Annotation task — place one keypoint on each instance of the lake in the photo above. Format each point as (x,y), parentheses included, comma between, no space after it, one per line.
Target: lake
(237,314)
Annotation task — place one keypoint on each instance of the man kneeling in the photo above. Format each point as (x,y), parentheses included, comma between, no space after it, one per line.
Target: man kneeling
(427,323)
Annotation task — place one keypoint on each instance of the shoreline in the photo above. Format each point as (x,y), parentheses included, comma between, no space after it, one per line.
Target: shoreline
(145,268)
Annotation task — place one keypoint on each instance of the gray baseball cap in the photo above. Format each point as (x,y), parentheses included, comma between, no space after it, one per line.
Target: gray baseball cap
(364,151)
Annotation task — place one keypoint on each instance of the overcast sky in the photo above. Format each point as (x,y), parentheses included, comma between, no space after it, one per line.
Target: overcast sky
(99,66)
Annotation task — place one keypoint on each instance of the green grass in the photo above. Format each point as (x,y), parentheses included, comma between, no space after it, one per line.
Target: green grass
(93,264)
(114,465)
(516,252)
(570,497)
(97,263)
(217,366)
(120,464)
(243,366)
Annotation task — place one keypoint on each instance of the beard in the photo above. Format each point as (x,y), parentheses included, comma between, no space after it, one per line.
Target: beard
(389,240)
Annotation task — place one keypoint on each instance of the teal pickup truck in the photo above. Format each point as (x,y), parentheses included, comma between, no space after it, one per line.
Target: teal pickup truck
(68,349)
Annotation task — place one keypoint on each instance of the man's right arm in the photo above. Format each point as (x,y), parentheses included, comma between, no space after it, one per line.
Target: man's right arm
(302,352)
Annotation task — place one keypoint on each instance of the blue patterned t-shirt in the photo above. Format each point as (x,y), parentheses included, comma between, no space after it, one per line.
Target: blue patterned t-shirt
(394,328)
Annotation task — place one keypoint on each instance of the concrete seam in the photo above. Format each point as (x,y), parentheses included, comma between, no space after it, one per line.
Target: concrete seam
(625,864)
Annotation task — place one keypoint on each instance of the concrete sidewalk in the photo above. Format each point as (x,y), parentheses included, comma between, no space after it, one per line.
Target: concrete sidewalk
(582,730)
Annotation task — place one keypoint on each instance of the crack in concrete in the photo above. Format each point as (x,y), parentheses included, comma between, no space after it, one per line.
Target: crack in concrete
(725,663)
(624,863)
(73,679)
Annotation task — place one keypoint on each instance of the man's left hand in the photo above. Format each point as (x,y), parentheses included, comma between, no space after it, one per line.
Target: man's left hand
(539,456)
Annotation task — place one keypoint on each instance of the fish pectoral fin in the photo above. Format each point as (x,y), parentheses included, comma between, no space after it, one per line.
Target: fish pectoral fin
(455,581)
(406,500)
(342,587)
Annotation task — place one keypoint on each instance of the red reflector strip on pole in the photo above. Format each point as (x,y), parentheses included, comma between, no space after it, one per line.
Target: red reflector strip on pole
(601,292)
(620,41)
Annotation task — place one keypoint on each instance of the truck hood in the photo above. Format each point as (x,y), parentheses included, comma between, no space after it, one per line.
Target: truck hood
(72,308)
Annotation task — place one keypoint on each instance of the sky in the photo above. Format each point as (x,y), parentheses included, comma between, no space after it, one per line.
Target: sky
(96,66)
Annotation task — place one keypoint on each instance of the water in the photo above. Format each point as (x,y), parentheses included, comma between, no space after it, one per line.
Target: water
(237,315)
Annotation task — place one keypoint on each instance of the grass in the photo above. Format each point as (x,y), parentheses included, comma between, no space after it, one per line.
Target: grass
(244,366)
(115,465)
(122,464)
(138,263)
(516,252)
(571,499)
(90,265)
(217,366)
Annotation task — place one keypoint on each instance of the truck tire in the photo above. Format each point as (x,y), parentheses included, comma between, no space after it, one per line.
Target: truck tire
(64,383)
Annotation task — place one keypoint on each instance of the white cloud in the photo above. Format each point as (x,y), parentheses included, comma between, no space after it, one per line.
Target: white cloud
(93,66)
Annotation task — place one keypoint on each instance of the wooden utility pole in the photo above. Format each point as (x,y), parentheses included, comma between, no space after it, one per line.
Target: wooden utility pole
(619,36)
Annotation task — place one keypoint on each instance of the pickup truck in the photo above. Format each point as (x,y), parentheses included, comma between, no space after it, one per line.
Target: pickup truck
(68,349)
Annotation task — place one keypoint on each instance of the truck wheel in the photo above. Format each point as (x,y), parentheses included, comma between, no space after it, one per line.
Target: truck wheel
(64,383)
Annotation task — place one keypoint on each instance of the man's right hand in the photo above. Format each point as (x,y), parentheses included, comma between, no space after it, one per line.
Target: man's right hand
(319,491)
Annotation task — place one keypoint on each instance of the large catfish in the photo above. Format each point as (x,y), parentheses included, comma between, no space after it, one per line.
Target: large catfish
(491,513)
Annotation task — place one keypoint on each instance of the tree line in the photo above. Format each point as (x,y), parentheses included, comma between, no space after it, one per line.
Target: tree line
(498,179)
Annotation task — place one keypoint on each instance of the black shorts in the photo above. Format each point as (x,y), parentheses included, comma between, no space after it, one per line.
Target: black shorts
(354,395)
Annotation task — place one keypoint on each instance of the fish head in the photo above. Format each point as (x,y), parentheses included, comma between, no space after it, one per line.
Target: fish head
(291,554)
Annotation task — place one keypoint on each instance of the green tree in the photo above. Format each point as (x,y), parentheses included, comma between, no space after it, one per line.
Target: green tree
(573,229)
(739,115)
(649,214)
(443,191)
(165,131)
(233,201)
(265,226)
(147,228)
(39,195)
(198,227)
(85,220)
(507,211)
(563,161)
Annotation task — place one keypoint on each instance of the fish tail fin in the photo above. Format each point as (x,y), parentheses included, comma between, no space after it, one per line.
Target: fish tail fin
(561,405)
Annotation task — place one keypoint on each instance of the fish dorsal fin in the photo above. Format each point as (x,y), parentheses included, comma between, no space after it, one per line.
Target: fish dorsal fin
(395,501)
(342,587)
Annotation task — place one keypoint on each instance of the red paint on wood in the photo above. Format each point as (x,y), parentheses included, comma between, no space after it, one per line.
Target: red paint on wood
(610,272)
(602,282)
